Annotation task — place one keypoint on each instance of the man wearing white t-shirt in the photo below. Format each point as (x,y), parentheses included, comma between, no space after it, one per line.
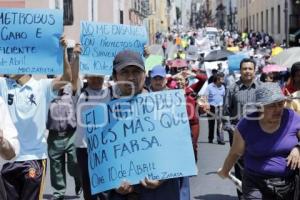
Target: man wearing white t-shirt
(28,100)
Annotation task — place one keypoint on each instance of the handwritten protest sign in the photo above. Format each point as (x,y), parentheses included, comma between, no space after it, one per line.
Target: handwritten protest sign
(145,136)
(30,41)
(101,42)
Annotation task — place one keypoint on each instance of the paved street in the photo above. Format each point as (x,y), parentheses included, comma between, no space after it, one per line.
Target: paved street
(207,185)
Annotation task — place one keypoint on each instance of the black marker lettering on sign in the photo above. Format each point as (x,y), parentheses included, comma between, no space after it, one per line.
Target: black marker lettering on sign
(135,145)
(108,136)
(51,20)
(141,168)
(87,29)
(17,61)
(97,180)
(132,127)
(152,176)
(96,158)
(168,175)
(18,50)
(6,34)
(127,30)
(103,29)
(114,173)
(138,44)
(151,126)
(101,65)
(86,51)
(92,142)
(122,171)
(138,125)
(21,18)
(168,120)
(32,70)
(88,41)
(90,120)
(38,33)
(100,52)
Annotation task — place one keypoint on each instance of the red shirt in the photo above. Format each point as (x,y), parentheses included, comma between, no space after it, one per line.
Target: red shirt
(288,89)
(191,100)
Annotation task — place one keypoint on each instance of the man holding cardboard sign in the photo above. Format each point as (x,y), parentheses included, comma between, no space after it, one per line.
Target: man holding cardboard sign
(128,141)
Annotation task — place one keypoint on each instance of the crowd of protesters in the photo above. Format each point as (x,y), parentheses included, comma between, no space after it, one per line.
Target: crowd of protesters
(265,174)
(226,103)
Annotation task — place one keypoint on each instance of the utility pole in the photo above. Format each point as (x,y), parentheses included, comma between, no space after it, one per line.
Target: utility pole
(286,23)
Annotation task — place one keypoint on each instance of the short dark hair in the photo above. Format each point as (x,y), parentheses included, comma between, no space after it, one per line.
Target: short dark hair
(246,60)
(218,76)
(214,71)
(295,68)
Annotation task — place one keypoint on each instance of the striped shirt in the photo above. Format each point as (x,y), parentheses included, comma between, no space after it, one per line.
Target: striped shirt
(239,100)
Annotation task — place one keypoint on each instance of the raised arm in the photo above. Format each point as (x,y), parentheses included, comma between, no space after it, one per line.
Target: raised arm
(201,80)
(58,83)
(236,151)
(75,67)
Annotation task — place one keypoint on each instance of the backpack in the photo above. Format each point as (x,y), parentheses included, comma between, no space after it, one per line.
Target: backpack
(62,112)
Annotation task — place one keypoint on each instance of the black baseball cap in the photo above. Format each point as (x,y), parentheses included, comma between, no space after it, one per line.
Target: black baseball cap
(128,58)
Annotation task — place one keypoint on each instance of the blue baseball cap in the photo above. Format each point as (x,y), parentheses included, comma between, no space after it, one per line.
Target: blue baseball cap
(158,70)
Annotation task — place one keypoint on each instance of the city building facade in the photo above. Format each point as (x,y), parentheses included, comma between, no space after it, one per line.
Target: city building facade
(279,18)
(154,14)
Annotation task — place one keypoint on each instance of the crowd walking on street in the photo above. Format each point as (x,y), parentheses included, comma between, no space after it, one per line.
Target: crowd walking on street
(243,95)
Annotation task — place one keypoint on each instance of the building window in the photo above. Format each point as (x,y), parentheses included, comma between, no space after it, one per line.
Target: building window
(267,21)
(67,7)
(121,17)
(68,12)
(272,20)
(278,20)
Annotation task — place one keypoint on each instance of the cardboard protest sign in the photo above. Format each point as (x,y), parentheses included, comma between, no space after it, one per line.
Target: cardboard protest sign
(30,41)
(101,42)
(147,135)
(235,60)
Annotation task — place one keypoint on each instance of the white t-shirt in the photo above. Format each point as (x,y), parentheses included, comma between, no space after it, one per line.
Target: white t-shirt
(95,97)
(8,128)
(28,106)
